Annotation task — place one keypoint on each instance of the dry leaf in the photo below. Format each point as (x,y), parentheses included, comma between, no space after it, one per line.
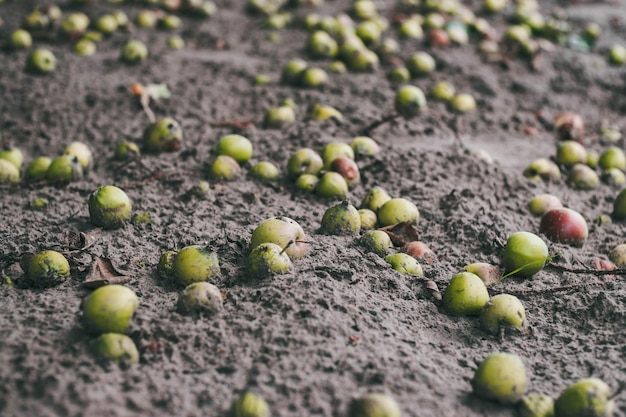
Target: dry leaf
(103,272)
(401,233)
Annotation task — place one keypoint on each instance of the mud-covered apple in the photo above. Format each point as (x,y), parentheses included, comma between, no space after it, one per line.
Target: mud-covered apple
(165,267)
(164,135)
(332,185)
(563,225)
(304,161)
(117,348)
(542,203)
(341,219)
(375,198)
(502,311)
(376,241)
(589,397)
(524,250)
(374,405)
(109,309)
(269,258)
(500,377)
(47,269)
(397,210)
(236,146)
(488,273)
(282,231)
(404,263)
(224,168)
(41,61)
(466,295)
(536,405)
(64,168)
(109,207)
(250,405)
(195,263)
(198,298)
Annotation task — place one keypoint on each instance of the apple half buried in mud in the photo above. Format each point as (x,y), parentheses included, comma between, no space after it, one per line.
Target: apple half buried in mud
(564,225)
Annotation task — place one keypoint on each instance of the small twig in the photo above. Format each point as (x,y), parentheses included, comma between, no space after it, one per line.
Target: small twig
(377,123)
(586,271)
(145,104)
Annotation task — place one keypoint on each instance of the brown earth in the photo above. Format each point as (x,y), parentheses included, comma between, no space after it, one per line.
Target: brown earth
(341,322)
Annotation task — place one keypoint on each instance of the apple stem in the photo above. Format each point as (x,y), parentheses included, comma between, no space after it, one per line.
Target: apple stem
(291,242)
(533,263)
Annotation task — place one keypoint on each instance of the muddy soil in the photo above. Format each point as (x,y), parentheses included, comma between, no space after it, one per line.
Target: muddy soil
(342,322)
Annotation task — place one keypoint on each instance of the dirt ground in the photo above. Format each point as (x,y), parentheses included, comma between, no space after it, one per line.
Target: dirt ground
(342,322)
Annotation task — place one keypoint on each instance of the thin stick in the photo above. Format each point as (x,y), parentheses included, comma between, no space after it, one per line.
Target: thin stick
(377,123)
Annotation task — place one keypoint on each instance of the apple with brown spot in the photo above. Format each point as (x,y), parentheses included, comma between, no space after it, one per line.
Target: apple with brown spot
(563,225)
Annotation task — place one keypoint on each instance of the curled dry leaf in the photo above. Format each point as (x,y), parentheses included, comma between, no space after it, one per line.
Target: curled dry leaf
(434,290)
(103,272)
(401,233)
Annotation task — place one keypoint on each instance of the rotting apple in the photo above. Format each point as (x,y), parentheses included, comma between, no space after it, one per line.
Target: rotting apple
(347,168)
(284,232)
(47,268)
(420,251)
(267,259)
(488,273)
(198,298)
(564,225)
(376,241)
(164,135)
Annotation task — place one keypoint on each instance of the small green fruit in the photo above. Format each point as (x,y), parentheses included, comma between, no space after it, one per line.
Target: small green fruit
(495,6)
(165,267)
(500,377)
(618,255)
(363,60)
(488,273)
(502,310)
(619,206)
(117,348)
(146,19)
(375,198)
(590,397)
(307,182)
(75,23)
(463,103)
(369,32)
(342,219)
(570,152)
(82,153)
(527,251)
(164,135)
(404,263)
(321,112)
(85,47)
(20,39)
(443,90)
(8,173)
(127,151)
(200,297)
(64,168)
(411,28)
(322,45)
(614,176)
(409,101)
(224,168)
(617,54)
(314,77)
(364,146)
(265,171)
(250,405)
(195,263)
(134,51)
(542,169)
(282,231)
(106,24)
(38,204)
(267,259)
(47,269)
(583,177)
(141,218)
(421,63)
(334,150)
(109,207)
(536,405)
(170,22)
(38,168)
(397,210)
(41,61)
(465,295)
(376,241)
(175,42)
(613,157)
(542,203)
(374,405)
(399,75)
(110,308)
(236,146)
(277,117)
(332,185)
(304,161)
(292,71)
(368,219)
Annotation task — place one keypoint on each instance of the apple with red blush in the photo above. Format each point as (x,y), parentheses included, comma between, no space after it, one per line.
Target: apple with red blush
(563,225)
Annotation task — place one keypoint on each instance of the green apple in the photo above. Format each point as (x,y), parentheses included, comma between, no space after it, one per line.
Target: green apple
(342,219)
(284,232)
(404,263)
(374,405)
(200,297)
(47,268)
(466,295)
(500,377)
(195,263)
(117,348)
(527,251)
(267,259)
(376,241)
(590,397)
(236,146)
(397,210)
(109,207)
(502,310)
(536,405)
(109,309)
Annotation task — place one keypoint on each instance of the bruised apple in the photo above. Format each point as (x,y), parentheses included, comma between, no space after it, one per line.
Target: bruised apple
(563,225)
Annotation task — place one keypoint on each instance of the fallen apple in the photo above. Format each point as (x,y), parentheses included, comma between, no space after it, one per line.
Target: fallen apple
(282,231)
(563,225)
(376,241)
(117,348)
(500,377)
(619,206)
(420,251)
(375,198)
(110,308)
(195,263)
(397,210)
(267,259)
(341,219)
(404,263)
(466,295)
(200,297)
(488,273)
(374,405)
(536,405)
(347,168)
(542,203)
(589,397)
(501,311)
(524,251)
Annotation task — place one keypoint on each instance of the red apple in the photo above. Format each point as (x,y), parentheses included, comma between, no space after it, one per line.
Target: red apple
(347,168)
(563,225)
(420,251)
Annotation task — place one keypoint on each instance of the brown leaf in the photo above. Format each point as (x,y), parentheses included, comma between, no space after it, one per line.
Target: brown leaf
(80,240)
(401,233)
(434,290)
(354,339)
(103,272)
